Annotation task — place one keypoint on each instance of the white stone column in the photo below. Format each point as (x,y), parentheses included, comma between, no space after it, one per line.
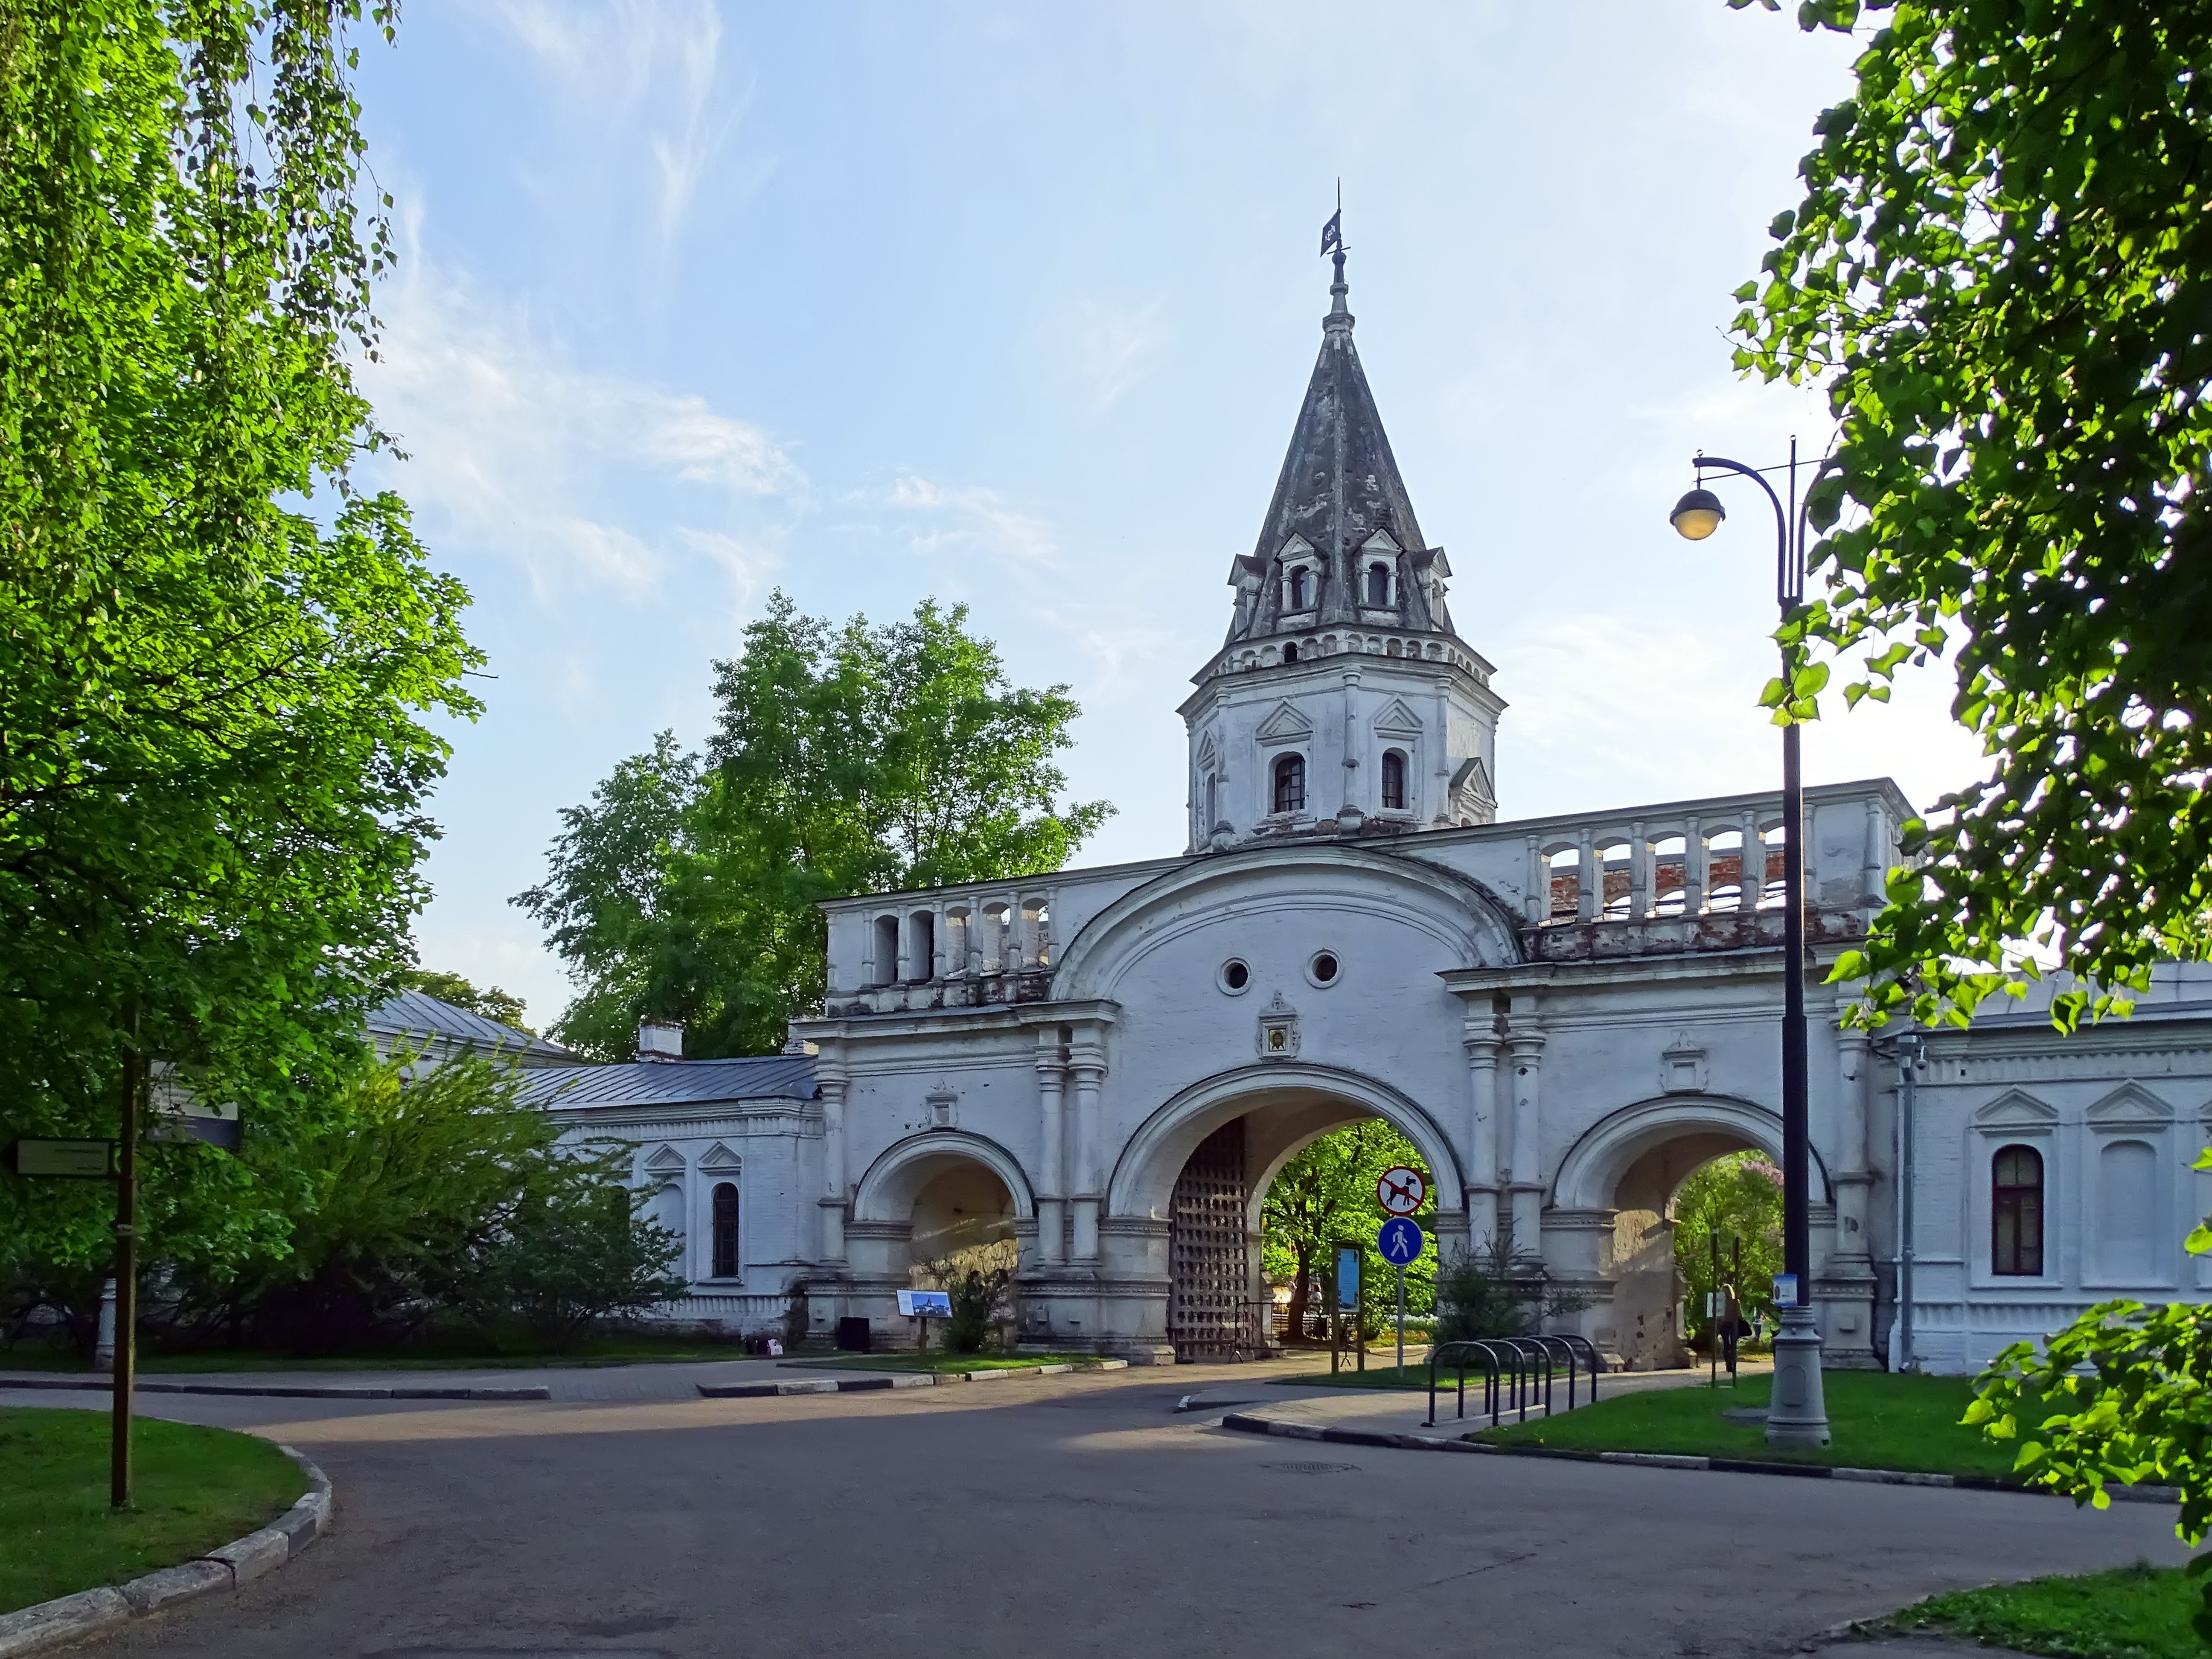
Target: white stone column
(1590,880)
(1052,1191)
(1482,1043)
(1751,880)
(832,1080)
(1352,791)
(1695,869)
(1524,1173)
(1440,744)
(1086,1064)
(1538,901)
(937,930)
(1639,874)
(1854,1181)
(905,947)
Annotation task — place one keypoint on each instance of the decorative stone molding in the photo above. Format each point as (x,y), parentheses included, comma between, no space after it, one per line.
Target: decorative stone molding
(1682,1066)
(1278,1035)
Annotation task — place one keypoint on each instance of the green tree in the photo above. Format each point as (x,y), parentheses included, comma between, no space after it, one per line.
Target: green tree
(2001,272)
(213,758)
(845,761)
(1326,1193)
(1737,1198)
(491,1002)
(572,1253)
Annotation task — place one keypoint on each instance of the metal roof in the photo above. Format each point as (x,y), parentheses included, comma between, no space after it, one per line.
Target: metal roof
(417,1013)
(675,1082)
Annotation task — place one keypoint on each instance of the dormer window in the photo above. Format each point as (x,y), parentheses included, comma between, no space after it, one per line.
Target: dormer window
(1378,584)
(1300,598)
(1291,784)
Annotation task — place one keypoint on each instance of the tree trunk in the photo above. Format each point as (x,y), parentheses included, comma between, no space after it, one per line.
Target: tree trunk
(1298,1288)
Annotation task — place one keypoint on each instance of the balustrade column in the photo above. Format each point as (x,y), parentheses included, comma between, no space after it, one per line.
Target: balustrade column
(1590,880)
(1538,901)
(1052,1191)
(1482,1043)
(1695,869)
(1750,884)
(937,931)
(1639,874)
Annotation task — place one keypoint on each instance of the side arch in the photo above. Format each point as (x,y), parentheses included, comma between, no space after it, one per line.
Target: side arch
(1144,1174)
(1591,1173)
(886,1193)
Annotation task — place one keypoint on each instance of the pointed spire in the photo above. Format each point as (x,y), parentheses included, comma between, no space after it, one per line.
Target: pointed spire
(1339,492)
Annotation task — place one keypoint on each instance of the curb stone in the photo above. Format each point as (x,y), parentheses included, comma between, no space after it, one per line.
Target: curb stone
(339,1391)
(1249,1425)
(91,1612)
(884,1380)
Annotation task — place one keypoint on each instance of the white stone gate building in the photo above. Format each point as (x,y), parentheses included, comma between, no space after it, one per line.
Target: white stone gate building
(1566,1015)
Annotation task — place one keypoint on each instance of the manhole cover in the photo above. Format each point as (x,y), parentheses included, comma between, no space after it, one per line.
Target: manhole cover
(1316,1468)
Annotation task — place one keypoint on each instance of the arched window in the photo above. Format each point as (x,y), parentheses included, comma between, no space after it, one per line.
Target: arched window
(1394,781)
(886,970)
(1291,652)
(726,1230)
(921,930)
(1378,584)
(1291,784)
(2016,1211)
(1212,801)
(1297,600)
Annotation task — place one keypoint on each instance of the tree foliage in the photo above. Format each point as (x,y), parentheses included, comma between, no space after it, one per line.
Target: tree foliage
(845,759)
(213,759)
(2001,272)
(1736,1198)
(1326,1193)
(2123,1394)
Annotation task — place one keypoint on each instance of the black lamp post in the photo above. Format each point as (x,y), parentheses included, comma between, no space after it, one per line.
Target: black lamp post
(1797,1415)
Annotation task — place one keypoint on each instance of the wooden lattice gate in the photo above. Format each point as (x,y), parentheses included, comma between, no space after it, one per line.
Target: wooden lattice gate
(1208,1277)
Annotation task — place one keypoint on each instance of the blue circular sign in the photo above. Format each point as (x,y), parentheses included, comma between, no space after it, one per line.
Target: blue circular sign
(1399,1241)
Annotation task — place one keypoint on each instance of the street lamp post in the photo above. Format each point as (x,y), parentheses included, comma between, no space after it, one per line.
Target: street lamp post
(1797,1415)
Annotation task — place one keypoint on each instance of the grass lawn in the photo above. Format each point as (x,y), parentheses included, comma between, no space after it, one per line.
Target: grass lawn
(2134,1613)
(610,1351)
(196,1489)
(1879,1422)
(934,1361)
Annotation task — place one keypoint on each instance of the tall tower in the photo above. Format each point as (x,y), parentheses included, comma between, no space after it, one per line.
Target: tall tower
(1343,701)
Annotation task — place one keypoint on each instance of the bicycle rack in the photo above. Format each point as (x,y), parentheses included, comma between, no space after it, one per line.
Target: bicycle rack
(1509,1371)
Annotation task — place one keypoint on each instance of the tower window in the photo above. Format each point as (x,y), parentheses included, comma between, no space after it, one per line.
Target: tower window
(1291,652)
(1297,601)
(1378,584)
(2016,1211)
(725,1230)
(1212,801)
(1291,784)
(1394,781)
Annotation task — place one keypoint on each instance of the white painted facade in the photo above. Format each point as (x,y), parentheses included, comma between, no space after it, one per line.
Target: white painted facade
(1566,1015)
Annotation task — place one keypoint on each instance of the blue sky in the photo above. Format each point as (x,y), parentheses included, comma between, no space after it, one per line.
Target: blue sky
(1012,306)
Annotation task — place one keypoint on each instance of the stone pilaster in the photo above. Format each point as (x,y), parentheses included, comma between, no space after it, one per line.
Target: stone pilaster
(1052,1189)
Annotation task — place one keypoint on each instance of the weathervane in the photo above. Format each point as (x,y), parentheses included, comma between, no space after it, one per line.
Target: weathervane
(1332,233)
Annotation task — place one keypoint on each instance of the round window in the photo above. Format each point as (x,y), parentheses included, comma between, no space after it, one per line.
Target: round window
(1323,968)
(1234,977)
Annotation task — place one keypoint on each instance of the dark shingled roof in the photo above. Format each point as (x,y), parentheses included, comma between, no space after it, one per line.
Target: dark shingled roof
(676,1082)
(1340,484)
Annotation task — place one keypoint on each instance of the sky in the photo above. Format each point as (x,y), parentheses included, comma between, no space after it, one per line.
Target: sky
(1012,306)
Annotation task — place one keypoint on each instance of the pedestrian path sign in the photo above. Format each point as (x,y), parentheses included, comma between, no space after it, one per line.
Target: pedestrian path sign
(1400,1241)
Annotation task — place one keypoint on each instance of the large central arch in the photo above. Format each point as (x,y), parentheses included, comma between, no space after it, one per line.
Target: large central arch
(1317,1096)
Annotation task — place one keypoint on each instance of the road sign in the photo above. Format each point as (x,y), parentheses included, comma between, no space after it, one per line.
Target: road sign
(1402,1190)
(1785,1289)
(1400,1241)
(85,1160)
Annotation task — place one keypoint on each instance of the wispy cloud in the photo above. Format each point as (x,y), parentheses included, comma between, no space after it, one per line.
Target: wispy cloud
(646,77)
(972,517)
(523,453)
(1117,345)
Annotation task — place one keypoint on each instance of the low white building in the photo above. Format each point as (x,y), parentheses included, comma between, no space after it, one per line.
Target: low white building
(1566,1015)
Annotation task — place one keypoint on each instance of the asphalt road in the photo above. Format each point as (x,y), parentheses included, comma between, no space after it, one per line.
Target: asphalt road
(1070,1516)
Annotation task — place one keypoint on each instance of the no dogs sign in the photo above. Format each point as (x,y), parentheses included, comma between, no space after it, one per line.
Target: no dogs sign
(1402,1190)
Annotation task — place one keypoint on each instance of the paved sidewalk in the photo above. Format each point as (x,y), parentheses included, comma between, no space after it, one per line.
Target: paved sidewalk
(1379,1411)
(576,1384)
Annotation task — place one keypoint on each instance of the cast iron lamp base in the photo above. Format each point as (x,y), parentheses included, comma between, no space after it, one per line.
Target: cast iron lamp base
(1797,1415)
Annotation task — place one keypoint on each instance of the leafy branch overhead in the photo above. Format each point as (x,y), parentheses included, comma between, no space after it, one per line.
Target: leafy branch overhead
(846,760)
(2002,273)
